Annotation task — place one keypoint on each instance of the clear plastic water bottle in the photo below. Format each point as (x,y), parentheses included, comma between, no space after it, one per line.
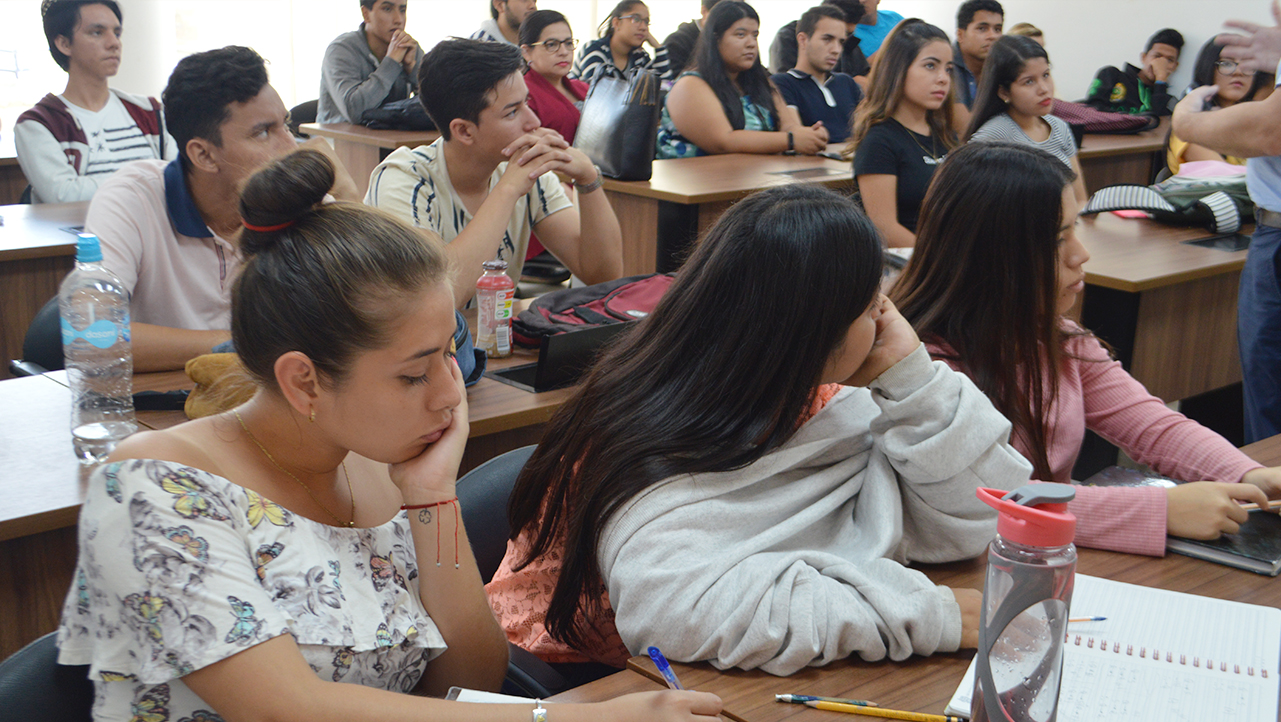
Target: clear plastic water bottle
(1031,568)
(94,306)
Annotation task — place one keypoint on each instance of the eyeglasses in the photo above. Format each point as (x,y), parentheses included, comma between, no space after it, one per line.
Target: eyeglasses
(638,19)
(1228,67)
(552,45)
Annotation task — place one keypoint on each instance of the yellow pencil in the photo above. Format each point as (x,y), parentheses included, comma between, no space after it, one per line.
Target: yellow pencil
(881,712)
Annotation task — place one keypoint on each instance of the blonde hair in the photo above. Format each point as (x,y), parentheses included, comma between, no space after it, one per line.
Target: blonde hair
(1027,30)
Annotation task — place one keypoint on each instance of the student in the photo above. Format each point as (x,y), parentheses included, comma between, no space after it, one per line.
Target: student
(369,66)
(170,230)
(997,265)
(504,23)
(768,529)
(816,93)
(1236,83)
(726,103)
(621,45)
(491,176)
(547,44)
(1014,104)
(260,563)
(680,44)
(978,25)
(875,26)
(69,144)
(903,128)
(783,51)
(1140,91)
(1027,30)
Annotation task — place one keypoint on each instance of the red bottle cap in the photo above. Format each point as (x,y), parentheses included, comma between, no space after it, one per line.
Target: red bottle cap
(1035,515)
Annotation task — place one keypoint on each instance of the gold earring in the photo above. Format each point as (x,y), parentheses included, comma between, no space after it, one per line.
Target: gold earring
(312,418)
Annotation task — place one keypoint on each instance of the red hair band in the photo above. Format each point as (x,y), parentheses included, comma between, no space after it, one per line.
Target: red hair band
(267,229)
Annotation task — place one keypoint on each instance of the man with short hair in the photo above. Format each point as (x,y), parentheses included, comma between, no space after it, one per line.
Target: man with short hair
(783,52)
(490,179)
(680,44)
(171,231)
(1140,91)
(69,144)
(503,26)
(370,66)
(874,26)
(978,25)
(818,93)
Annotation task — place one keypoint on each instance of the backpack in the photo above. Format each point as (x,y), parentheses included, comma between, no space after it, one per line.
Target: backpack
(602,304)
(407,114)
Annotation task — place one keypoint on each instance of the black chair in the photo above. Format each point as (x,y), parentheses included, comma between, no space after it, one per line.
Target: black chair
(33,686)
(302,113)
(42,346)
(482,496)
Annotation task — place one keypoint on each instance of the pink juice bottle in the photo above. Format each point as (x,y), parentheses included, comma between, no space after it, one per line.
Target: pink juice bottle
(495,292)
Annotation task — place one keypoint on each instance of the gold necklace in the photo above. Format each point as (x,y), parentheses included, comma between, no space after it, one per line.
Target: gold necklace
(932,152)
(272,459)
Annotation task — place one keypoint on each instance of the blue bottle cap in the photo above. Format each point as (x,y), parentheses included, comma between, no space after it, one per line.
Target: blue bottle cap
(88,250)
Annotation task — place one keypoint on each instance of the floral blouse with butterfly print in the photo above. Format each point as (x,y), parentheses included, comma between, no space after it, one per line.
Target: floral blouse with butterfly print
(180,568)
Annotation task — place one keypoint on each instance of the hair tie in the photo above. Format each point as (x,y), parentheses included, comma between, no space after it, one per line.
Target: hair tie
(267,229)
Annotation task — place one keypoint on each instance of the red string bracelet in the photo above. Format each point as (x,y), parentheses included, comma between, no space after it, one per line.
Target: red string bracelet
(267,229)
(454,502)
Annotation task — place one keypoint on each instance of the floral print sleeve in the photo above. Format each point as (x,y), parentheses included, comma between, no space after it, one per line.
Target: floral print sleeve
(180,569)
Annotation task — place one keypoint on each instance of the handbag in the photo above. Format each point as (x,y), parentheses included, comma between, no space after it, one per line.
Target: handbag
(619,125)
(407,114)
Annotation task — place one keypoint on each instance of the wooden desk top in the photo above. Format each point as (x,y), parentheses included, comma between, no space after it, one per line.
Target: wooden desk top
(35,231)
(1097,145)
(615,685)
(1136,255)
(352,133)
(711,178)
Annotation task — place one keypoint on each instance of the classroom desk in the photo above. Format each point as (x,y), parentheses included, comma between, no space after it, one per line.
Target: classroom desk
(606,688)
(1111,159)
(35,254)
(1166,307)
(12,180)
(661,216)
(361,149)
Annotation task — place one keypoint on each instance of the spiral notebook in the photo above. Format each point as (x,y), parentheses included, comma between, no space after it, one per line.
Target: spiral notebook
(1162,656)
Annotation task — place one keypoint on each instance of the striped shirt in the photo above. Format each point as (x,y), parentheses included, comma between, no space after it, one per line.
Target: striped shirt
(1060,144)
(113,137)
(596,57)
(413,184)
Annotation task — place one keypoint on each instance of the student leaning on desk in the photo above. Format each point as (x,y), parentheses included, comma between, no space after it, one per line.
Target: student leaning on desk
(743,478)
(243,565)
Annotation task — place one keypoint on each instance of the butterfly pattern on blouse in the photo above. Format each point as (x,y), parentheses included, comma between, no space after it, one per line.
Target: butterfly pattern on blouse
(265,554)
(247,625)
(202,715)
(383,571)
(261,508)
(152,705)
(148,608)
(191,501)
(343,657)
(196,547)
(113,481)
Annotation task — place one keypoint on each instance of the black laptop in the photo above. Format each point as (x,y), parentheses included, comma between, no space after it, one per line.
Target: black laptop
(562,359)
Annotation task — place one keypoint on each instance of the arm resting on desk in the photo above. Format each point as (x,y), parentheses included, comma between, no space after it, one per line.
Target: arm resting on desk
(161,348)
(352,92)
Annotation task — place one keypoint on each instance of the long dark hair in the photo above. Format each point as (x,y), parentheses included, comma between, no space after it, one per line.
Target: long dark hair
(606,29)
(889,75)
(1203,71)
(714,379)
(706,60)
(984,278)
(1005,61)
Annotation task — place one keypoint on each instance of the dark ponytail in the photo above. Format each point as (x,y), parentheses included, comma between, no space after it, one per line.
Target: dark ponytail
(324,279)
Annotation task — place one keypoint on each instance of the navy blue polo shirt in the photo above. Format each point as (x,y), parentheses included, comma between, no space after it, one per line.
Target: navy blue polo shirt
(832,102)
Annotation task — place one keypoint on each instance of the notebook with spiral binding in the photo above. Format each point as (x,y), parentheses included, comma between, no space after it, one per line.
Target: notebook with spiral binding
(1162,655)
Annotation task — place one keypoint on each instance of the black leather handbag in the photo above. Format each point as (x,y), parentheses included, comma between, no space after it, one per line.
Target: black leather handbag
(406,114)
(619,125)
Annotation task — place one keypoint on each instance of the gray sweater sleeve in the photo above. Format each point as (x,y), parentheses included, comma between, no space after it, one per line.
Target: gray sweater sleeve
(344,79)
(795,561)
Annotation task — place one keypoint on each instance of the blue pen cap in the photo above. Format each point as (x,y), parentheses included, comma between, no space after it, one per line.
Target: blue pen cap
(88,249)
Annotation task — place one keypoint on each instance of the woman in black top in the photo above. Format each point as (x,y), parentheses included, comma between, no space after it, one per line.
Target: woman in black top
(903,128)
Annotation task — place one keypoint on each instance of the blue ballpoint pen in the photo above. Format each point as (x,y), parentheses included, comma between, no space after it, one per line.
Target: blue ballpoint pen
(664,668)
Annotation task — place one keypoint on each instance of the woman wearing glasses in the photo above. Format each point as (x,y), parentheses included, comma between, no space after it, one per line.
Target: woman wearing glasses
(1237,84)
(621,46)
(548,46)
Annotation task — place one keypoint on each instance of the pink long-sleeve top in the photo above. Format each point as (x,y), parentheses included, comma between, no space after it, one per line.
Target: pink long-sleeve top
(1096,393)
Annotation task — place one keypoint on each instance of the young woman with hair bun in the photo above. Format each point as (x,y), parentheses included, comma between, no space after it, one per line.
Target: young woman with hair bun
(240,566)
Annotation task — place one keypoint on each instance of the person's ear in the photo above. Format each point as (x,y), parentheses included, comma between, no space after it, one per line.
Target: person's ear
(525,51)
(63,44)
(366,13)
(801,41)
(298,380)
(203,155)
(1003,94)
(463,131)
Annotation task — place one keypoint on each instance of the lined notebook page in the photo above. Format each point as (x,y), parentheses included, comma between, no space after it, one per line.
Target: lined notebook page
(1164,656)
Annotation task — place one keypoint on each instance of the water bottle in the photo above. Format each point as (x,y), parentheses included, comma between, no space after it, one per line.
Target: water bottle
(1031,568)
(94,306)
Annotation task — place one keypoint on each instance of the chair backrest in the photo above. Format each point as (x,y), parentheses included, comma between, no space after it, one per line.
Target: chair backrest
(33,686)
(302,113)
(42,346)
(482,497)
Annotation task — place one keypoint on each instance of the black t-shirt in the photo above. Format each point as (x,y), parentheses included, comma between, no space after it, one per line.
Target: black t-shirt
(890,149)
